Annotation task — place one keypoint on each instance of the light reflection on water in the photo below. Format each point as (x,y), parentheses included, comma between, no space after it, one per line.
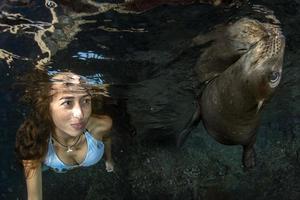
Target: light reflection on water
(90,55)
(95,79)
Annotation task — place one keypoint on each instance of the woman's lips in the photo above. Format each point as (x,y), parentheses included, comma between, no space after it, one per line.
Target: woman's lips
(78,126)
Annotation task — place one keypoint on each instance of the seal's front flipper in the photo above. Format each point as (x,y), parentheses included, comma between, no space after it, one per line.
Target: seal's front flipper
(249,156)
(193,122)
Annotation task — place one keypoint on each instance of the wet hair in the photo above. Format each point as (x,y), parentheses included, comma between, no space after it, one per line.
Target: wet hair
(34,133)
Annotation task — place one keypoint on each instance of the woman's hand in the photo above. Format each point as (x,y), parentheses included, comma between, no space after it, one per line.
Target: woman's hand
(109,166)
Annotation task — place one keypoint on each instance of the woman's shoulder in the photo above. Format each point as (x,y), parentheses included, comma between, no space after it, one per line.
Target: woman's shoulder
(30,167)
(99,125)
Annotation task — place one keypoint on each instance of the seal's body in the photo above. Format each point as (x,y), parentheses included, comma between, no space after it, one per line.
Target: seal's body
(238,79)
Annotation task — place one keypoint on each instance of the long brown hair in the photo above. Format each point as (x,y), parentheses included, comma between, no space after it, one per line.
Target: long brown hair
(33,134)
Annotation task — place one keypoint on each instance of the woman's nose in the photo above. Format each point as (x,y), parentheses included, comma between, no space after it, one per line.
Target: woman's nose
(77,112)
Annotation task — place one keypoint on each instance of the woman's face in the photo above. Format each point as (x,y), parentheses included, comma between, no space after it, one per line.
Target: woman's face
(70,107)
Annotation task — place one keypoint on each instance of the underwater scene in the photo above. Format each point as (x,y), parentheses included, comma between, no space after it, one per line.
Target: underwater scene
(203,97)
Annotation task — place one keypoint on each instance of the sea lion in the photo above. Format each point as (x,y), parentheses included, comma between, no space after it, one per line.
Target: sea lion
(240,73)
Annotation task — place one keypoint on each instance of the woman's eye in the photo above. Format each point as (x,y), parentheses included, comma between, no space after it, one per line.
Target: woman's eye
(67,103)
(274,77)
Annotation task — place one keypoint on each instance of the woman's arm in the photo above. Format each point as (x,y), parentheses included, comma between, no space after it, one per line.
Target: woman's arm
(100,126)
(107,151)
(33,176)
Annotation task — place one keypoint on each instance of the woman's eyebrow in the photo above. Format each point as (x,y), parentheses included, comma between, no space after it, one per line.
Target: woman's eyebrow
(72,97)
(67,97)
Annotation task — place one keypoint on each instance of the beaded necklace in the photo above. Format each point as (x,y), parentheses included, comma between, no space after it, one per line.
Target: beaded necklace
(68,147)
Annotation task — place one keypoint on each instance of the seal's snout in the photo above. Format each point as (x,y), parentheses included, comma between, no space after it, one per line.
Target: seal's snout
(274,46)
(269,50)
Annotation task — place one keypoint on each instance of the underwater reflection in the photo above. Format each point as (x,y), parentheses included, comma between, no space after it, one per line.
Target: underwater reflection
(90,55)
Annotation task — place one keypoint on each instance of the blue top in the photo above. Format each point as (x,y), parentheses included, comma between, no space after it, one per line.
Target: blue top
(94,153)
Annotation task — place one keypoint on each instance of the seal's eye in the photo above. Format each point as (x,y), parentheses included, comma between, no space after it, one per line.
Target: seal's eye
(274,76)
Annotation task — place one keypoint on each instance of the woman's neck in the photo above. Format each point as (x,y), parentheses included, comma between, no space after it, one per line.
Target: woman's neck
(64,137)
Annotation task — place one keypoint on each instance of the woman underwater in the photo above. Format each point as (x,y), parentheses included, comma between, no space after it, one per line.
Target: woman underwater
(61,133)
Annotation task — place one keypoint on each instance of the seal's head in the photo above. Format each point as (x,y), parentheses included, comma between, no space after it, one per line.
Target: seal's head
(263,64)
